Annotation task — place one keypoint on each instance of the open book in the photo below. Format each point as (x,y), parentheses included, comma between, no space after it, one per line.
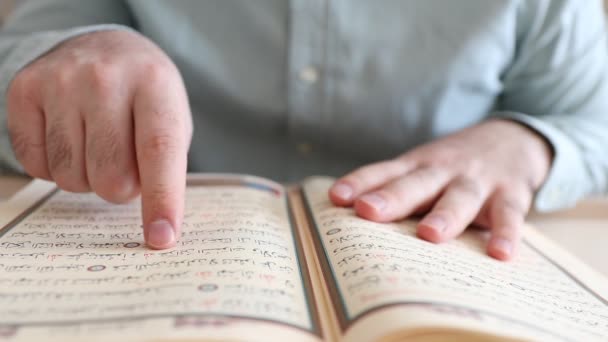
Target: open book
(261,262)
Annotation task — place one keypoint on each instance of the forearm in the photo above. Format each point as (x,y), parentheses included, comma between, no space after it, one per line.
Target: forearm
(579,167)
(558,86)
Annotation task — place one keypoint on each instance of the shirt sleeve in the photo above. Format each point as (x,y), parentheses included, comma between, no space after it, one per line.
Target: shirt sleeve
(558,86)
(35,28)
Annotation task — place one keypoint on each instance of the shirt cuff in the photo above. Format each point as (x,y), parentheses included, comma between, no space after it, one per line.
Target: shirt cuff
(564,185)
(24,51)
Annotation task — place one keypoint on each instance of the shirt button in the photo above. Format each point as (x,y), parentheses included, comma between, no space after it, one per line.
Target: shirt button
(304,148)
(309,74)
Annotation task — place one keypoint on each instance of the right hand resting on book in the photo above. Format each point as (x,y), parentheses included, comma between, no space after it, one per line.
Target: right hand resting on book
(486,174)
(107,112)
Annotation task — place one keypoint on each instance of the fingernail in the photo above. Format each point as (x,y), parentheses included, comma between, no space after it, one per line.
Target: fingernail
(375,201)
(503,245)
(343,191)
(435,222)
(160,234)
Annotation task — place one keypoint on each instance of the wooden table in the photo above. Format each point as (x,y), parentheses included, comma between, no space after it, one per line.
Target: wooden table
(582,230)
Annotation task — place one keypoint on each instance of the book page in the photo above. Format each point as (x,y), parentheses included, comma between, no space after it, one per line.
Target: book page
(386,279)
(77,267)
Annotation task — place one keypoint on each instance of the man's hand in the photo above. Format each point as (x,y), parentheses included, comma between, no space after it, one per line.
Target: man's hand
(107,112)
(486,175)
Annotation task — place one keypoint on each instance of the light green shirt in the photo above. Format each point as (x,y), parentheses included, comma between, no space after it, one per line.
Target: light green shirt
(286,89)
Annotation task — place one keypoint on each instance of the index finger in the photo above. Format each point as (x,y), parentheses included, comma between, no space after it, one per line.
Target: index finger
(366,178)
(162,137)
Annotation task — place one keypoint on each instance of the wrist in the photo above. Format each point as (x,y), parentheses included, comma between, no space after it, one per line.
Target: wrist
(536,150)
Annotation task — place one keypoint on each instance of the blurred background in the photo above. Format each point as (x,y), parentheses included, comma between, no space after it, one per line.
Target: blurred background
(5,8)
(7,5)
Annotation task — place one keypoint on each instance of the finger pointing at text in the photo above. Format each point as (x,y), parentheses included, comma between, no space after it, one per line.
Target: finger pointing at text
(107,112)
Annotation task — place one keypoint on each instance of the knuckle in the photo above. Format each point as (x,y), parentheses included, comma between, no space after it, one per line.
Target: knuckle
(59,150)
(103,149)
(63,164)
(471,187)
(399,166)
(450,214)
(474,166)
(506,186)
(102,77)
(369,174)
(160,145)
(438,156)
(171,120)
(427,174)
(360,175)
(392,196)
(158,197)
(160,191)
(513,206)
(113,174)
(432,173)
(512,200)
(156,70)
(514,189)
(63,79)
(509,226)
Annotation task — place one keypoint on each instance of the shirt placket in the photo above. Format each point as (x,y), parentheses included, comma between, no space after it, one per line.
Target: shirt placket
(306,74)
